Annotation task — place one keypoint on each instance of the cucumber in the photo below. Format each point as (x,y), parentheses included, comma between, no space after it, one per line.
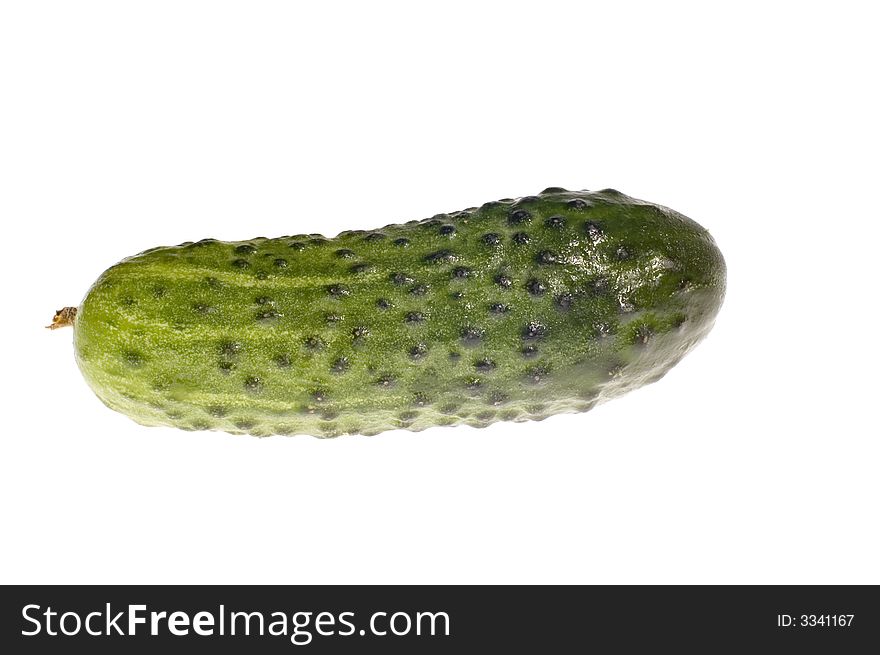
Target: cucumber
(513,311)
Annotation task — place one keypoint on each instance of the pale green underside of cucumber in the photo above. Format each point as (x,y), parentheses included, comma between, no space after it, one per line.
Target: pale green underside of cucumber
(516,310)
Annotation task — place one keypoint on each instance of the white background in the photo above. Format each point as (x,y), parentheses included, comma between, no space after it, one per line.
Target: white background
(128,125)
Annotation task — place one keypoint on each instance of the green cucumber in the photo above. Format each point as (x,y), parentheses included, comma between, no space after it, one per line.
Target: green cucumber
(514,311)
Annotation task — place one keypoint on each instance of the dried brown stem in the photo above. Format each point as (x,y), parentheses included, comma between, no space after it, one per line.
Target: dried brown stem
(63,317)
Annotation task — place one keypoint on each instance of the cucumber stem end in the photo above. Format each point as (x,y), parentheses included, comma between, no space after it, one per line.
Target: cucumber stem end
(63,317)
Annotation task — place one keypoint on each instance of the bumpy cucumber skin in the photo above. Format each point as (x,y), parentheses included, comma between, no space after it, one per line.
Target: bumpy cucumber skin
(516,310)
